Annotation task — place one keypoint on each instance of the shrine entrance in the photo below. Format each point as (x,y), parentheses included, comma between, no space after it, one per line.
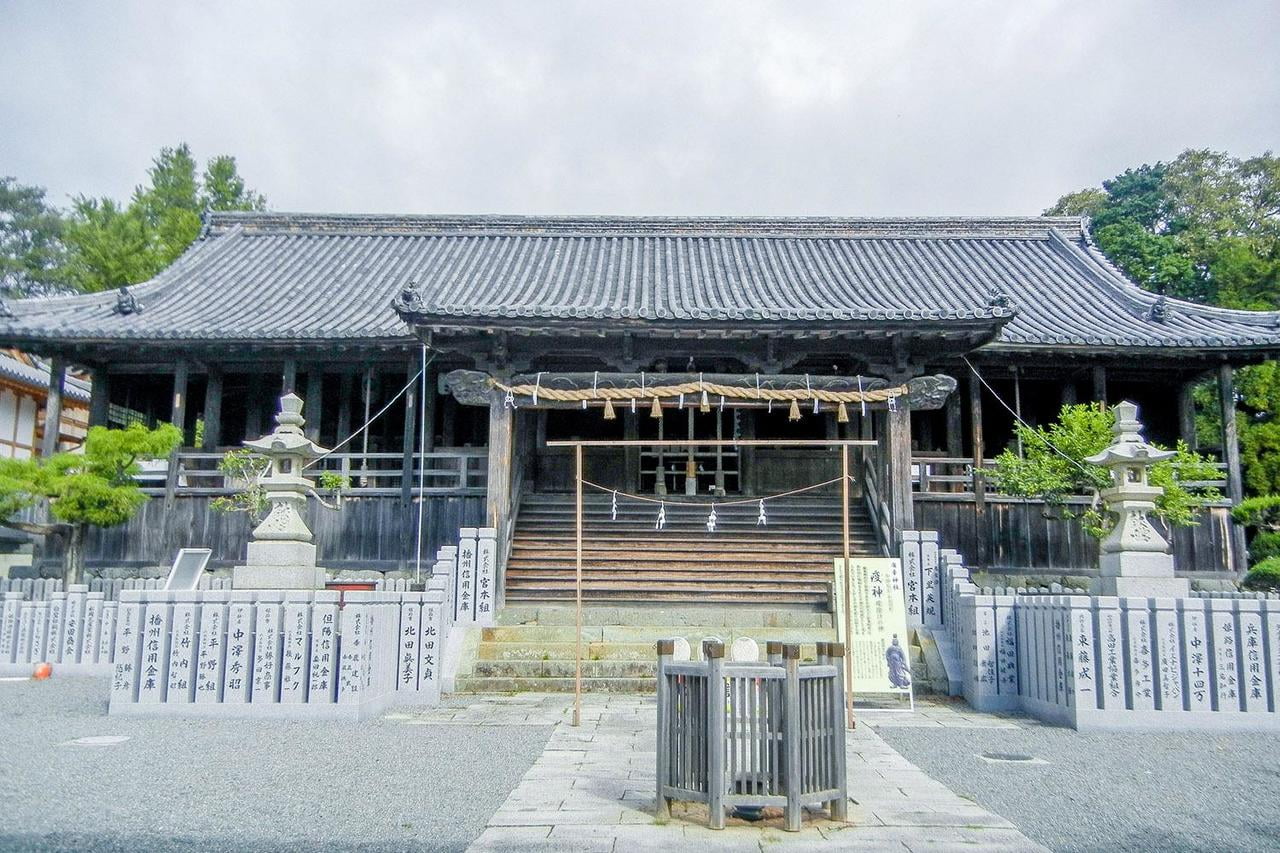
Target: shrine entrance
(711,469)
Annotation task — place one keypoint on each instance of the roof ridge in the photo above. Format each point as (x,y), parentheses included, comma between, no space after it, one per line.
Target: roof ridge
(887,226)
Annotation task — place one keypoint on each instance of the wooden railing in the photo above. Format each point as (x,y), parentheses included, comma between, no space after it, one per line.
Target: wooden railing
(449,471)
(951,475)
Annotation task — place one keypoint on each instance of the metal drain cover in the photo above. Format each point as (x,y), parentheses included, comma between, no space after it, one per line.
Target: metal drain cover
(1011,758)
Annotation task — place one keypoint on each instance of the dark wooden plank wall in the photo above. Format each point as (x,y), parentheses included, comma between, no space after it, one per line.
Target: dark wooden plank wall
(366,532)
(1018,536)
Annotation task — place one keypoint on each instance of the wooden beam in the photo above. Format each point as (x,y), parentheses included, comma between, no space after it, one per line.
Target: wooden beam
(898,446)
(979,479)
(212,408)
(178,412)
(314,402)
(1187,414)
(1231,455)
(99,396)
(955,432)
(53,407)
(498,495)
(1099,384)
(711,442)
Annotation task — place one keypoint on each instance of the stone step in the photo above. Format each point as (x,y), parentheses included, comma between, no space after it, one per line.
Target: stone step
(536,635)
(564,668)
(489,650)
(663,615)
(471,684)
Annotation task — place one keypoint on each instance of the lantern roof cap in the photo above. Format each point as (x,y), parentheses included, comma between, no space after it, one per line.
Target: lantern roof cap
(1129,446)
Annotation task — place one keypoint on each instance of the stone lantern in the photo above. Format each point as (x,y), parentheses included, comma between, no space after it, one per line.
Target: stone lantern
(1135,558)
(281,553)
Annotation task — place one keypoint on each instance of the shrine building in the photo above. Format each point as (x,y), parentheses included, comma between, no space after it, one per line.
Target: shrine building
(923,338)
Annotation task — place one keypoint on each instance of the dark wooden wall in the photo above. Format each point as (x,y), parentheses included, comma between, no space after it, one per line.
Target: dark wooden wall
(1015,535)
(366,532)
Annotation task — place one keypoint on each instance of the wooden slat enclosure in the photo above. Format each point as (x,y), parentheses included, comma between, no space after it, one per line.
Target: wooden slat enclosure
(365,533)
(1017,535)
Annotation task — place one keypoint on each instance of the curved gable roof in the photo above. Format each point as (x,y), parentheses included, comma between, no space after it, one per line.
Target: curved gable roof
(297,278)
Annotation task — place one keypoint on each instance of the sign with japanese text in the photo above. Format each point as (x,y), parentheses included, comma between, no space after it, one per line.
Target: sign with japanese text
(876,644)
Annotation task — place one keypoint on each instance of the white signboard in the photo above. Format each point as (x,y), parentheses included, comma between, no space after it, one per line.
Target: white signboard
(876,640)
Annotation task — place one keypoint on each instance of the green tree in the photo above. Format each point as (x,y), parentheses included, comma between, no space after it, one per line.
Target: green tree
(32,256)
(110,245)
(93,488)
(1051,468)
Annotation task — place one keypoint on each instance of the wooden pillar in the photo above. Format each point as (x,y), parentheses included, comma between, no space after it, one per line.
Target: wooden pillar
(448,422)
(498,494)
(289,379)
(212,409)
(53,407)
(898,446)
(1069,392)
(955,433)
(99,397)
(429,405)
(631,432)
(1187,414)
(313,402)
(178,413)
(409,449)
(979,479)
(346,391)
(1231,455)
(1100,384)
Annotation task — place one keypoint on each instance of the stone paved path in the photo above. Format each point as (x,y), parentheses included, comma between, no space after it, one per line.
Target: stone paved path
(593,788)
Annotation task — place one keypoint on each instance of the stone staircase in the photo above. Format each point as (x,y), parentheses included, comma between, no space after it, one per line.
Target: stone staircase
(532,647)
(787,561)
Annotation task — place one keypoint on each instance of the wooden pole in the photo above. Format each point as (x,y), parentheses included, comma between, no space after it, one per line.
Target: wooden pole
(314,404)
(577,589)
(99,397)
(178,415)
(848,580)
(407,448)
(289,377)
(53,407)
(979,479)
(1231,455)
(1187,414)
(213,409)
(1100,384)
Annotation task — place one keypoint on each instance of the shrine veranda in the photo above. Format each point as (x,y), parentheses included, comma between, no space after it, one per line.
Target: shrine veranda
(475,347)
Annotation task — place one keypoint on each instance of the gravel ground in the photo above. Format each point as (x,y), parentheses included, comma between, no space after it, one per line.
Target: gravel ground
(1113,791)
(211,785)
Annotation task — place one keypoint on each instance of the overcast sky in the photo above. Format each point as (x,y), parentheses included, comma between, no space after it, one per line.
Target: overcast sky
(846,108)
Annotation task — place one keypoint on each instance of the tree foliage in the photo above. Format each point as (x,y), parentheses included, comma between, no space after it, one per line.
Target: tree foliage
(1205,227)
(94,487)
(109,244)
(1051,468)
(32,256)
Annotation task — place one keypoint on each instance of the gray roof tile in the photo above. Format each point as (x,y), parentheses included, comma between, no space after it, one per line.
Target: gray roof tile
(301,277)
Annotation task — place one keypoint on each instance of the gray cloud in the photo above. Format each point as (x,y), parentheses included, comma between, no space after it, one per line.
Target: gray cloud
(601,107)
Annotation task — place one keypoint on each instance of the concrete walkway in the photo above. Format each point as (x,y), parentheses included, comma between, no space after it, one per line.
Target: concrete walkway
(592,789)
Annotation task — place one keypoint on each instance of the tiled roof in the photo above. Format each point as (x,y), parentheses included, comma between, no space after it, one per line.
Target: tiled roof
(300,277)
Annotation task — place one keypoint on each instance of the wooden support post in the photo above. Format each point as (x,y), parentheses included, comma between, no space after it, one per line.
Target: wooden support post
(313,404)
(289,377)
(53,407)
(666,649)
(847,573)
(898,444)
(448,422)
(1017,408)
(1069,392)
(631,432)
(1231,455)
(1100,384)
(714,651)
(498,496)
(1187,414)
(955,432)
(577,586)
(99,396)
(407,452)
(212,409)
(178,414)
(429,410)
(979,479)
(346,393)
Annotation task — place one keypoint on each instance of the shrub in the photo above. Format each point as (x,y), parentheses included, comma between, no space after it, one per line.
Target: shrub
(1264,545)
(1264,577)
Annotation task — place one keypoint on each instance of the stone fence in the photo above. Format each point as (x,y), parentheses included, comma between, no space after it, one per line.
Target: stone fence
(274,653)
(1099,662)
(33,588)
(73,630)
